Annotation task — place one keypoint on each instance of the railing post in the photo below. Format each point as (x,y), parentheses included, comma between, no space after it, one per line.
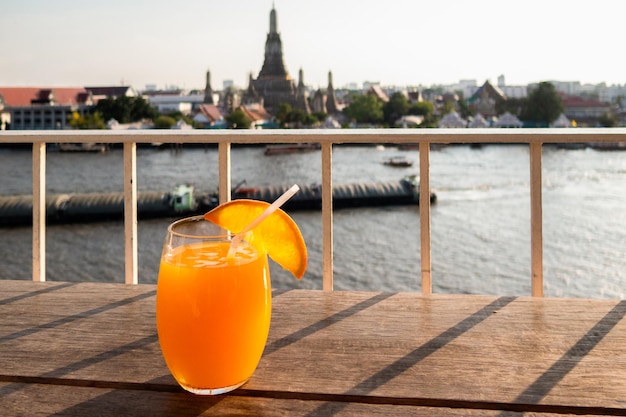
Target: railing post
(424,212)
(130,212)
(327,216)
(536,221)
(39,211)
(223,160)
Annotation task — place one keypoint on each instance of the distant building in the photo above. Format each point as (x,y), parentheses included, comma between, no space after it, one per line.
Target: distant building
(377,91)
(478,121)
(484,100)
(257,115)
(208,90)
(326,102)
(452,120)
(274,84)
(112,92)
(173,103)
(36,108)
(585,112)
(209,116)
(509,120)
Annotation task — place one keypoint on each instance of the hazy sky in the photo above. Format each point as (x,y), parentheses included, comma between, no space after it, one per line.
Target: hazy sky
(395,42)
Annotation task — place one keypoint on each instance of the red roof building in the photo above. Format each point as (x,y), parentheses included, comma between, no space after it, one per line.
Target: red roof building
(37,108)
(584,111)
(209,115)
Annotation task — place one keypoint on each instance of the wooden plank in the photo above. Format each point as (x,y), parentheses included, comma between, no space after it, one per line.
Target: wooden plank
(224,172)
(475,352)
(456,348)
(536,220)
(39,211)
(131,267)
(327,217)
(347,136)
(19,399)
(424,213)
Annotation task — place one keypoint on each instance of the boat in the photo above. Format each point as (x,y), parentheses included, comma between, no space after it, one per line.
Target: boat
(291,148)
(416,146)
(398,161)
(184,200)
(365,194)
(82,147)
(608,146)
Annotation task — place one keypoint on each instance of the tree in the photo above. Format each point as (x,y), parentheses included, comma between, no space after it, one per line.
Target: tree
(422,108)
(607,120)
(126,109)
(543,105)
(89,121)
(512,105)
(238,120)
(426,109)
(464,109)
(365,108)
(164,122)
(282,115)
(397,106)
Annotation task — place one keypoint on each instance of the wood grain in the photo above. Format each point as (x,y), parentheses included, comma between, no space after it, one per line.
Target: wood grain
(76,346)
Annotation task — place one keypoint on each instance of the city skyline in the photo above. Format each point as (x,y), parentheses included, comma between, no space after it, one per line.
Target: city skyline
(69,43)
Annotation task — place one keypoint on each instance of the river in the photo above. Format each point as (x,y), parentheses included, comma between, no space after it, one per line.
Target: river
(480,224)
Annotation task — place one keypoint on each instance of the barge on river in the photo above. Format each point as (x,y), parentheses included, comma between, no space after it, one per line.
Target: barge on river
(183,201)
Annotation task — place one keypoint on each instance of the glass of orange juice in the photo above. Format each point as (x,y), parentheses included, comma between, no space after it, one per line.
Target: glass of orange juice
(212,310)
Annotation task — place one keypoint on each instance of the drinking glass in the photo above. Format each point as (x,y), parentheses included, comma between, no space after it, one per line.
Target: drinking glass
(212,310)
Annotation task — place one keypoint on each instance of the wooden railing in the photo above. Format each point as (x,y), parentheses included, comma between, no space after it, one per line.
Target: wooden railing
(535,138)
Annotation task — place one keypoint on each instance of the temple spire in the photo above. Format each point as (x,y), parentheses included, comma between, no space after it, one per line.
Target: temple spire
(331,99)
(208,91)
(273,65)
(302,100)
(273,23)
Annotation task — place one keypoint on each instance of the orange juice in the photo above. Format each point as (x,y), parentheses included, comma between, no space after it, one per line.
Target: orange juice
(213,314)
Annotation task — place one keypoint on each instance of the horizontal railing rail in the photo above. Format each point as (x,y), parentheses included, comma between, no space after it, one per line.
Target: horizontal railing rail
(535,138)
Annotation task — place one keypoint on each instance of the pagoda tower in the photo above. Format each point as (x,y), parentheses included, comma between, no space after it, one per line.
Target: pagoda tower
(302,97)
(273,66)
(274,84)
(251,96)
(208,91)
(331,99)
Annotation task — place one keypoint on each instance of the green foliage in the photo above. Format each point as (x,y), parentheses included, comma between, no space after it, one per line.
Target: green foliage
(282,115)
(176,115)
(319,116)
(422,108)
(426,109)
(365,108)
(397,106)
(607,120)
(511,105)
(238,120)
(286,116)
(89,121)
(448,107)
(543,105)
(125,109)
(464,110)
(297,117)
(164,122)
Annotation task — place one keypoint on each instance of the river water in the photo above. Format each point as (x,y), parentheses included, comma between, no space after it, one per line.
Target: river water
(480,225)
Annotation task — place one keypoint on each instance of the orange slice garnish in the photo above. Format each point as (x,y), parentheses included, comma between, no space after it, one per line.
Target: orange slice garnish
(278,235)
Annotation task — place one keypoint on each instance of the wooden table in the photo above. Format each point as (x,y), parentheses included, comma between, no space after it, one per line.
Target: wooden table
(70,349)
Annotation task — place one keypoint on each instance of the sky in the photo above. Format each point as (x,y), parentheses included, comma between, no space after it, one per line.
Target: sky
(396,42)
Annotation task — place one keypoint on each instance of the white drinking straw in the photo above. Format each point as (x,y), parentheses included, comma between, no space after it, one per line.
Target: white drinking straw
(272,208)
